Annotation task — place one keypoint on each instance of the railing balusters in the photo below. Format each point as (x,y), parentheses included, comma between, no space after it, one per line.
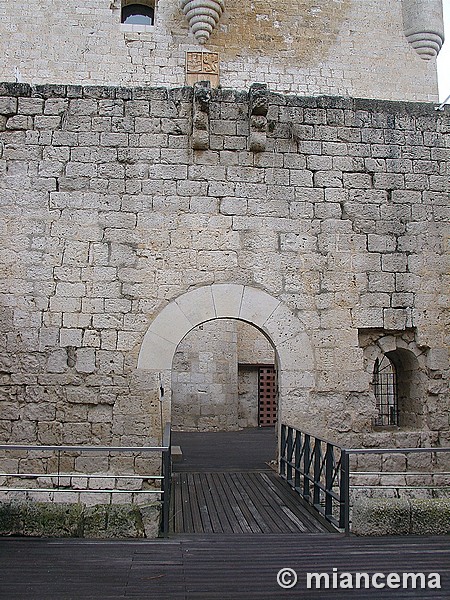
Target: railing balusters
(298,454)
(344,513)
(317,470)
(311,472)
(328,473)
(306,467)
(283,451)
(289,455)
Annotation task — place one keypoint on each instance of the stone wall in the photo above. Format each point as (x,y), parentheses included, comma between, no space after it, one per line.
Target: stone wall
(215,377)
(205,379)
(347,47)
(109,216)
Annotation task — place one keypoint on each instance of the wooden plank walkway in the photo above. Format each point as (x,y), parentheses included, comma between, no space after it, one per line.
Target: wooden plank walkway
(241,502)
(246,450)
(224,485)
(233,567)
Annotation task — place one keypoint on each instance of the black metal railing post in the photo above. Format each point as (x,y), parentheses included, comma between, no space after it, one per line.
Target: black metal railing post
(317,470)
(167,480)
(329,468)
(283,451)
(306,467)
(344,512)
(297,459)
(289,448)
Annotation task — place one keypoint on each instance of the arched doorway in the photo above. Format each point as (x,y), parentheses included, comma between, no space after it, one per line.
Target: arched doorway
(287,333)
(216,497)
(224,378)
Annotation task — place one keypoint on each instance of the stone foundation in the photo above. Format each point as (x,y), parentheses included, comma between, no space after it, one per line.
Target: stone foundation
(44,519)
(395,516)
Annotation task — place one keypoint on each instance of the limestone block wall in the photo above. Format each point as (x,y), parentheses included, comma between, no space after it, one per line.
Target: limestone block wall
(215,376)
(109,218)
(253,347)
(205,379)
(336,47)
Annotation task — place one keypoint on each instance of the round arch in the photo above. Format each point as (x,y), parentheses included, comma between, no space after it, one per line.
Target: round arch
(283,328)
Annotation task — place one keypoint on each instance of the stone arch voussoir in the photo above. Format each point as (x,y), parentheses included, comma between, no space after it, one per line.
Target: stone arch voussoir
(242,302)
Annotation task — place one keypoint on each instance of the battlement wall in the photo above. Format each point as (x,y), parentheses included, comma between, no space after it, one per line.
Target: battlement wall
(340,211)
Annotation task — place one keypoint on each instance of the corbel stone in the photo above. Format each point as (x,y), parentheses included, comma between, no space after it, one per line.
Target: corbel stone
(203,16)
(258,108)
(200,115)
(423,24)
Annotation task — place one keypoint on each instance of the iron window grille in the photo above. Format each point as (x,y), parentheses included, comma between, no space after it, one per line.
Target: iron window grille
(386,394)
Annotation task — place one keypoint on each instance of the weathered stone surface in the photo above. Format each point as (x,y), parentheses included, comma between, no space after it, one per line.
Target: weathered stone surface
(395,516)
(387,516)
(301,48)
(121,239)
(45,519)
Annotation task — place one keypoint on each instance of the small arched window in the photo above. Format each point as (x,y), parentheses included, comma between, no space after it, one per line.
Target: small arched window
(138,14)
(385,390)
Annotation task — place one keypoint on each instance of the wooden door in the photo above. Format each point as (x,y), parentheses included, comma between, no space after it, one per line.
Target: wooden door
(267,397)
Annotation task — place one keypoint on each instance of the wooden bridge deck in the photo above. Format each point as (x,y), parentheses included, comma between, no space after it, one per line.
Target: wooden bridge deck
(224,484)
(233,567)
(238,503)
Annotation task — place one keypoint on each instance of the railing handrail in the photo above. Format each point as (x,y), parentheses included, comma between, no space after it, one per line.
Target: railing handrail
(304,457)
(163,448)
(397,450)
(164,478)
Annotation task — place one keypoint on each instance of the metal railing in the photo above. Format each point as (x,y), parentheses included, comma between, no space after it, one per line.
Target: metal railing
(319,471)
(382,485)
(316,470)
(62,481)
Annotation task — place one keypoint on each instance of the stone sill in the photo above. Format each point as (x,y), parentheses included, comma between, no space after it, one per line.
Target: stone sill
(398,516)
(137,28)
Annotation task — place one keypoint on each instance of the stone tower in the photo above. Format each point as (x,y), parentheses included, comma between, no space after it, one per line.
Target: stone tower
(362,49)
(277,163)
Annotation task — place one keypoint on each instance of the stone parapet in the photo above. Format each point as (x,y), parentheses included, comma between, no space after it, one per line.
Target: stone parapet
(395,516)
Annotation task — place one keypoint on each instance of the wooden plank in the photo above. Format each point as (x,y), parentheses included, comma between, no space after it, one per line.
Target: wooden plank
(228,485)
(293,502)
(266,515)
(291,506)
(177,505)
(197,522)
(213,567)
(188,525)
(271,507)
(239,503)
(246,505)
(205,516)
(216,523)
(222,498)
(222,514)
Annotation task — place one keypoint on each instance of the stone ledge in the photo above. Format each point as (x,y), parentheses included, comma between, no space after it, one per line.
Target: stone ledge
(102,521)
(185,93)
(396,516)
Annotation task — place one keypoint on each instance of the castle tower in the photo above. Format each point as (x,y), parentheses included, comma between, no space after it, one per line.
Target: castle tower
(370,48)
(167,165)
